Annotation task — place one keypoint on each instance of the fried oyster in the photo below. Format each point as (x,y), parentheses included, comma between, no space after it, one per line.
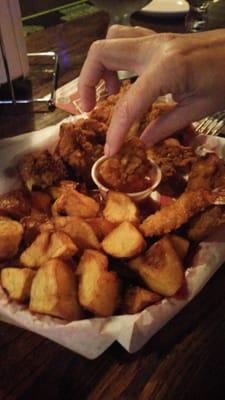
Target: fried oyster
(41,169)
(81,144)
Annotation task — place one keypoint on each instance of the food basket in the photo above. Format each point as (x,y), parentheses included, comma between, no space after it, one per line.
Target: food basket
(91,337)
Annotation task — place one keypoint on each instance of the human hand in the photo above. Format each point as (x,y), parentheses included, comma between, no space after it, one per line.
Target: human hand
(190,66)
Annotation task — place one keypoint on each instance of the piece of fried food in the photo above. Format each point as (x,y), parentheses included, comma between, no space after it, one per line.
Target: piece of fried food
(129,171)
(17,282)
(48,245)
(160,268)
(207,173)
(15,204)
(176,214)
(181,245)
(54,291)
(119,208)
(137,299)
(100,226)
(61,188)
(81,143)
(105,107)
(11,234)
(41,201)
(124,241)
(99,289)
(203,224)
(75,204)
(41,169)
(172,157)
(79,231)
(158,108)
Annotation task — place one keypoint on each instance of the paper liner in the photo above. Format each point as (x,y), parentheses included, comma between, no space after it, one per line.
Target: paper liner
(91,337)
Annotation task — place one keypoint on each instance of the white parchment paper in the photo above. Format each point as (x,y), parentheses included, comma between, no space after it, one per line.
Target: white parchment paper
(91,337)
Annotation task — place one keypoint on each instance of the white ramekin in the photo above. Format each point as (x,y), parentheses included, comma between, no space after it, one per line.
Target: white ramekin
(136,196)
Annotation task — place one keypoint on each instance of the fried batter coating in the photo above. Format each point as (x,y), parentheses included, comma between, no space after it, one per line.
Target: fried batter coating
(104,108)
(171,157)
(207,173)
(41,169)
(203,224)
(15,204)
(178,213)
(128,171)
(158,108)
(81,144)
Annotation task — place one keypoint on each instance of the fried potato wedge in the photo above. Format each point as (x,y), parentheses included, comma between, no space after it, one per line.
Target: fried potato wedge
(31,226)
(181,245)
(54,291)
(75,204)
(41,201)
(79,231)
(119,208)
(138,298)
(17,282)
(160,268)
(48,245)
(100,226)
(62,187)
(99,289)
(11,234)
(124,241)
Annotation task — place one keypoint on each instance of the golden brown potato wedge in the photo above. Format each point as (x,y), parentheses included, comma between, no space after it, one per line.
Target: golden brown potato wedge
(31,226)
(48,245)
(100,226)
(54,291)
(160,268)
(124,241)
(138,298)
(99,289)
(119,208)
(62,187)
(181,245)
(41,201)
(79,231)
(75,204)
(17,282)
(11,233)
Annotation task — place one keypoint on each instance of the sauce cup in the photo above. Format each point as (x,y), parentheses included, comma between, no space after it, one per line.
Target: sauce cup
(136,196)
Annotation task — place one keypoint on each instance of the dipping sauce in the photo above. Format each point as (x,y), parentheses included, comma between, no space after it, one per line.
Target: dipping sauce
(129,171)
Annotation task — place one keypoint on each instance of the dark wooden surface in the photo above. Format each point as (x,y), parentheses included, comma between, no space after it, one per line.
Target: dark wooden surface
(185,360)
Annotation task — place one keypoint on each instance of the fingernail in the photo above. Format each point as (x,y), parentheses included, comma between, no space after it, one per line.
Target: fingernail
(107,150)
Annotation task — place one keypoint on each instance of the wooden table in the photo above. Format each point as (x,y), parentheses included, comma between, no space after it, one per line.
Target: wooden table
(185,360)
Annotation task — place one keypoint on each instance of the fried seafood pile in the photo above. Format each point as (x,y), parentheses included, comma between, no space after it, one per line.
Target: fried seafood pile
(68,253)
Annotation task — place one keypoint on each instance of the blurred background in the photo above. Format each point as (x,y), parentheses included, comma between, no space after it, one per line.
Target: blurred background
(38,15)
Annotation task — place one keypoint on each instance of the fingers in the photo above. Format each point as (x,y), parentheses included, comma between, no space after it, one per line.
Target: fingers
(129,109)
(106,55)
(121,31)
(112,82)
(173,121)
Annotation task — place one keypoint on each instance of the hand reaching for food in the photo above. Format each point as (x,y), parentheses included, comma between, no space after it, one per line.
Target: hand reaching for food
(190,67)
